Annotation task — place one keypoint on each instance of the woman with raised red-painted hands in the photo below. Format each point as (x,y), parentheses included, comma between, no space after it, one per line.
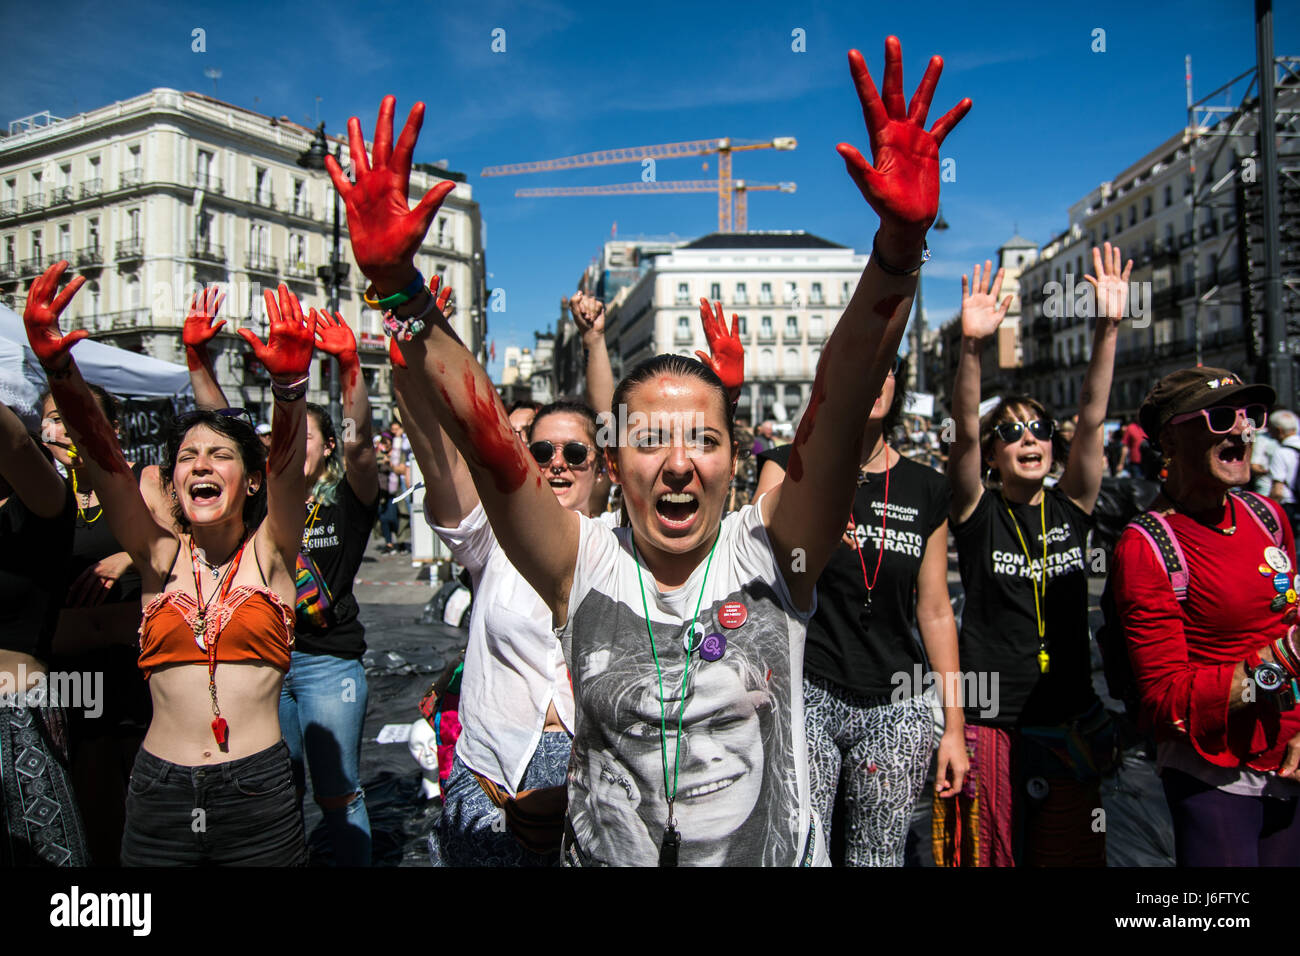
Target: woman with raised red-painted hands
(683,632)
(212,782)
(1038,736)
(341,508)
(36,517)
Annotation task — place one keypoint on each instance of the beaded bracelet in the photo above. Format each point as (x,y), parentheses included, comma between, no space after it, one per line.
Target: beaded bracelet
(397,298)
(406,327)
(1284,652)
(888,269)
(291,392)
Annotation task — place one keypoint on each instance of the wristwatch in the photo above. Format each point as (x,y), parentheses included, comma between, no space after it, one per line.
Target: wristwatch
(1268,677)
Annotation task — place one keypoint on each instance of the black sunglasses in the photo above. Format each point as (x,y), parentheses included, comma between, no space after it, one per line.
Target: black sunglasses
(240,413)
(1010,432)
(575,452)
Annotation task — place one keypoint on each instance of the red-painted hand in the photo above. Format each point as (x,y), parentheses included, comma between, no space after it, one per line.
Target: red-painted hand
(41,317)
(333,335)
(442,296)
(728,352)
(199,329)
(903,185)
(291,340)
(386,232)
(395,354)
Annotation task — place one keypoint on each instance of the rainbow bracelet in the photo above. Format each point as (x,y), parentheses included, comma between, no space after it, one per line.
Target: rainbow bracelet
(397,298)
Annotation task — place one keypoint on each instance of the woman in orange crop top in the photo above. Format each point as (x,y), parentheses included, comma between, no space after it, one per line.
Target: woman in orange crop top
(211,783)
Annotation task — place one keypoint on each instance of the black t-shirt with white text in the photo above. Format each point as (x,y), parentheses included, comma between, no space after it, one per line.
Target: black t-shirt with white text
(999,628)
(876,661)
(336,537)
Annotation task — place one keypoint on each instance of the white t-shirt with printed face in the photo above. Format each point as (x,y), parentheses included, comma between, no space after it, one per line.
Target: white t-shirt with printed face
(514,668)
(742,777)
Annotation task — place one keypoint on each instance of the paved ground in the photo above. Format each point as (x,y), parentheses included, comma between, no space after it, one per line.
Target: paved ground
(406,655)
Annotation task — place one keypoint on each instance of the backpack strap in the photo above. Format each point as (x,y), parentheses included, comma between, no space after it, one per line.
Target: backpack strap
(1153,526)
(1261,512)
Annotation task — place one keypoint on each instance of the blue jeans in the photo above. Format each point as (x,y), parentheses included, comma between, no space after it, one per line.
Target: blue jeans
(322,709)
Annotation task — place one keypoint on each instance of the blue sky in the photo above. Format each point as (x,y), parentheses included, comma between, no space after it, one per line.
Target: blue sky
(1051,119)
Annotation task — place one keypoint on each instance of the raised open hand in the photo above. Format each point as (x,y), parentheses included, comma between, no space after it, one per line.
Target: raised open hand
(41,317)
(1110,285)
(588,312)
(728,352)
(199,328)
(386,232)
(903,185)
(980,313)
(333,335)
(443,294)
(291,339)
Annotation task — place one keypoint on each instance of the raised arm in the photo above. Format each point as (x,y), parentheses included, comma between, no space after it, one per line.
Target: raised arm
(1083,472)
(151,546)
(980,317)
(806,520)
(198,331)
(334,337)
(287,356)
(589,314)
(726,351)
(31,476)
(538,535)
(449,492)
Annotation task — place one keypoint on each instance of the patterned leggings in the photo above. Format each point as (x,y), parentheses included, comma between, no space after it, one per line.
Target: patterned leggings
(879,752)
(39,821)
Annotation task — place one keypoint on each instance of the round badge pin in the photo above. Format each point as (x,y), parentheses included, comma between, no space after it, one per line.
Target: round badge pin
(1277,559)
(691,642)
(732,614)
(1278,602)
(713,647)
(1281,582)
(1037,787)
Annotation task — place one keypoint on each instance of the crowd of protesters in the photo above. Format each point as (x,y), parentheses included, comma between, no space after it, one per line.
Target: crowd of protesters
(758,632)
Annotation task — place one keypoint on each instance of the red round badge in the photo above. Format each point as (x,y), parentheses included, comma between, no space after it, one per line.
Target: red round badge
(732,614)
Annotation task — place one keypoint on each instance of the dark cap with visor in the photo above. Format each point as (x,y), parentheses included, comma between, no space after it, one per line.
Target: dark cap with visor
(1192,389)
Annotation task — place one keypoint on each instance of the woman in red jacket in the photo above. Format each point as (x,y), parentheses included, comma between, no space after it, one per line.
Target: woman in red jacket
(1214,648)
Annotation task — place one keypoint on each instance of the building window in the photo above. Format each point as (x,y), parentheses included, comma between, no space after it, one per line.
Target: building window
(133,158)
(791,293)
(10,254)
(846,292)
(791,327)
(38,247)
(300,207)
(65,241)
(765,294)
(1119,223)
(816,327)
(790,366)
(1132,215)
(766,362)
(203,169)
(133,223)
(683,293)
(298,250)
(742,296)
(1146,207)
(765,327)
(683,327)
(1169,196)
(816,295)
(715,292)
(442,231)
(744,326)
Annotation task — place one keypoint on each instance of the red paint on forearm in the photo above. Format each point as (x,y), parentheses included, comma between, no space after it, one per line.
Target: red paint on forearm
(493,442)
(349,374)
(95,438)
(806,425)
(196,358)
(887,306)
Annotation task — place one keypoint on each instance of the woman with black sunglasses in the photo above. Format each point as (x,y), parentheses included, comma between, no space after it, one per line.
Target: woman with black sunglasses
(323,700)
(212,783)
(1037,734)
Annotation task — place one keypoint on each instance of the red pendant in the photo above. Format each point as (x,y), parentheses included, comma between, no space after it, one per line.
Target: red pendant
(219,729)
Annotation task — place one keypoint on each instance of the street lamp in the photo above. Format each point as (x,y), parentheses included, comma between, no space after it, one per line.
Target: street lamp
(918,323)
(336,272)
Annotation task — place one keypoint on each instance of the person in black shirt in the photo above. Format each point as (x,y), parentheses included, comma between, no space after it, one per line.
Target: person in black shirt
(40,824)
(323,699)
(868,699)
(1040,739)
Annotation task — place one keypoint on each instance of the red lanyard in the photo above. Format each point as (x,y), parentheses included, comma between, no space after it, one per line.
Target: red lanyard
(880,554)
(211,635)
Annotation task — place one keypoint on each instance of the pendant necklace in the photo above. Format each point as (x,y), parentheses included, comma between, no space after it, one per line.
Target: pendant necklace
(1039,581)
(672,840)
(207,637)
(864,617)
(311,521)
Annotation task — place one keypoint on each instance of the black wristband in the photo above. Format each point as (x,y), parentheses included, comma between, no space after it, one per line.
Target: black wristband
(892,270)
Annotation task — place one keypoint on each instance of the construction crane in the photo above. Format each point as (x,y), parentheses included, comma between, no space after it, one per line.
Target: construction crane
(740,187)
(723,146)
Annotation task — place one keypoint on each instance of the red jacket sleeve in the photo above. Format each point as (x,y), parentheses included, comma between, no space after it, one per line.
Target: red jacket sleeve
(1179,698)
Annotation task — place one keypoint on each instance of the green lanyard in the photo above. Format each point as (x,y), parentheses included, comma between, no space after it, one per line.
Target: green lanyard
(671,838)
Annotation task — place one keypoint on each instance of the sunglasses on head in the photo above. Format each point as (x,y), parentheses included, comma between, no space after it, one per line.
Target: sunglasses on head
(240,413)
(1222,419)
(575,452)
(1010,432)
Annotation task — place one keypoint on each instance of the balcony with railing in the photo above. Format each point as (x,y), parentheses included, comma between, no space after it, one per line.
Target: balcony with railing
(206,251)
(258,262)
(31,266)
(128,249)
(89,256)
(264,198)
(8,270)
(33,201)
(91,188)
(130,178)
(61,194)
(1185,239)
(208,183)
(8,207)
(139,318)
(683,337)
(300,269)
(299,207)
